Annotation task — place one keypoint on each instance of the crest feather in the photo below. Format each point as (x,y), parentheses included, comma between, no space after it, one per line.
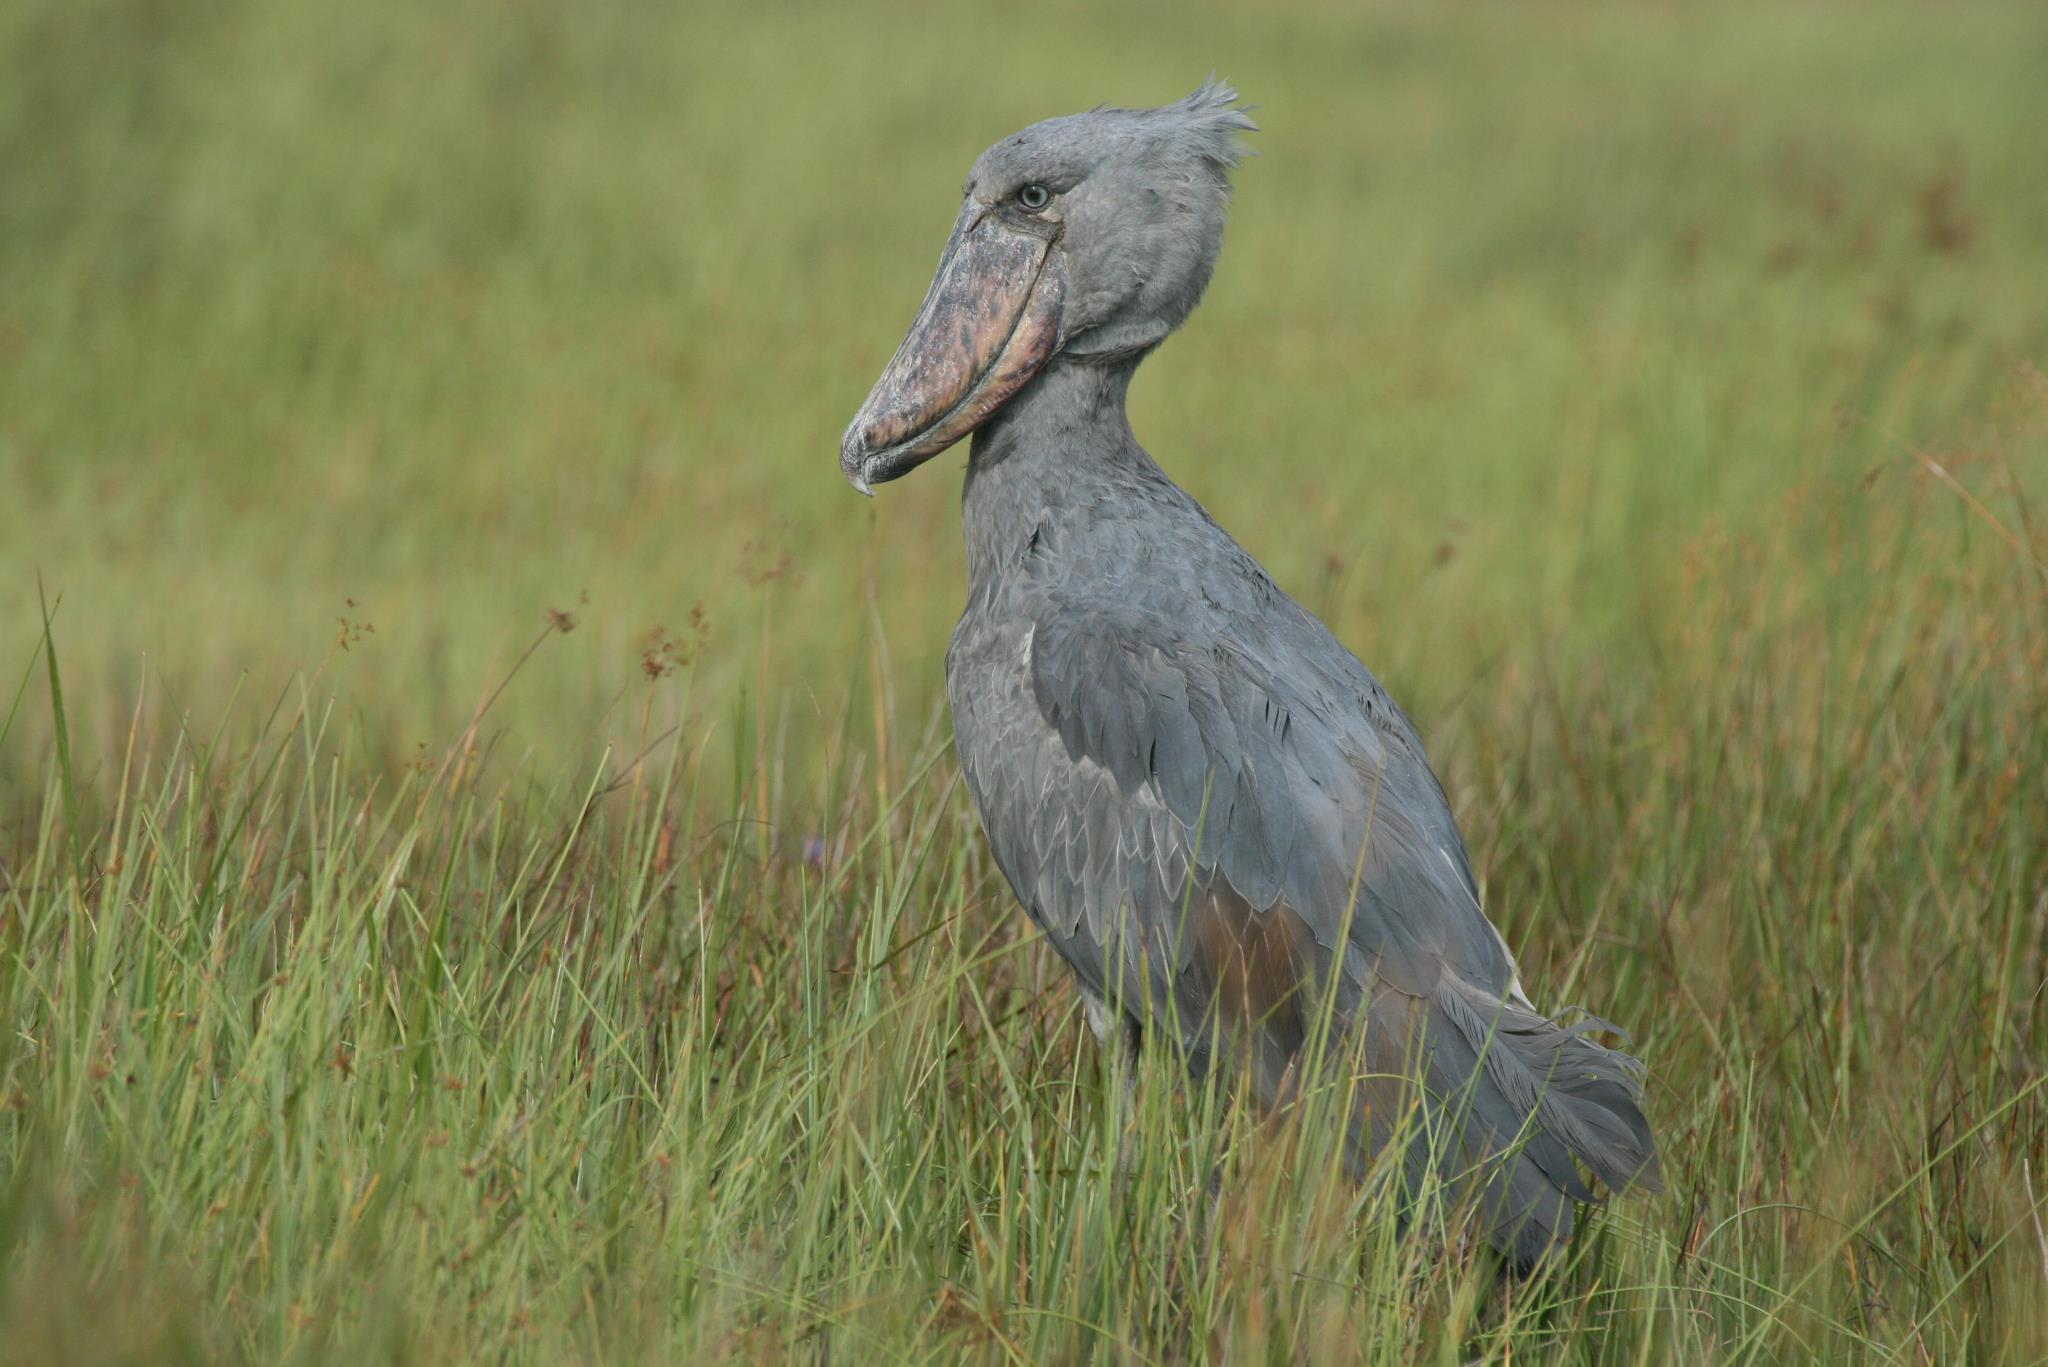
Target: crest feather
(1211,121)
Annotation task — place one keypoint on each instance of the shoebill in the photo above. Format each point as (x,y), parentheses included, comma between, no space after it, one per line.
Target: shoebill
(1212,809)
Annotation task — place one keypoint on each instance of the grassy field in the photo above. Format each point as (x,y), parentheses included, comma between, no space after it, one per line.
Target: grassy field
(482,874)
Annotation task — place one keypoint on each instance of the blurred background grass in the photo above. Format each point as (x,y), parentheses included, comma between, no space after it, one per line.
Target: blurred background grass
(1652,394)
(470,310)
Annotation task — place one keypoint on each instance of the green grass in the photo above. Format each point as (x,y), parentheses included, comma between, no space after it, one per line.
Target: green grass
(1652,394)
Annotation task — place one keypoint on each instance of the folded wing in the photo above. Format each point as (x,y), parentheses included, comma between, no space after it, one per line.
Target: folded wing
(1216,820)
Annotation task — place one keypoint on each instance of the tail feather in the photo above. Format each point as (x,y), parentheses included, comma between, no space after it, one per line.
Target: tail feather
(1513,1105)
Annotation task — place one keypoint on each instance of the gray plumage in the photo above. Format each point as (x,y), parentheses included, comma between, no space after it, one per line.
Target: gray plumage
(1182,773)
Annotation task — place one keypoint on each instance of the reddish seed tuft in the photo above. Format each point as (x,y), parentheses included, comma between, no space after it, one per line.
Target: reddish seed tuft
(353,628)
(663,652)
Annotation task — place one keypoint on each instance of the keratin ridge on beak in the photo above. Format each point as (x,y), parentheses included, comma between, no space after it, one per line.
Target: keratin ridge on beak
(989,322)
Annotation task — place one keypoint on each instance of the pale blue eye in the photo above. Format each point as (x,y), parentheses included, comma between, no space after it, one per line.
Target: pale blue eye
(1034,197)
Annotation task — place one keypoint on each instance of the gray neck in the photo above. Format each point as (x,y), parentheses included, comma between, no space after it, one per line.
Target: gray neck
(1053,451)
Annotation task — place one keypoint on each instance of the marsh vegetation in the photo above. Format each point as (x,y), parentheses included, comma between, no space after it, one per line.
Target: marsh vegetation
(482,874)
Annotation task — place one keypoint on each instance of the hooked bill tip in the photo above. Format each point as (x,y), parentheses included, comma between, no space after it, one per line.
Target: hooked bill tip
(856,458)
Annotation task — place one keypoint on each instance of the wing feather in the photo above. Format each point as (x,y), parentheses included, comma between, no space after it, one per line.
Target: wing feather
(1143,762)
